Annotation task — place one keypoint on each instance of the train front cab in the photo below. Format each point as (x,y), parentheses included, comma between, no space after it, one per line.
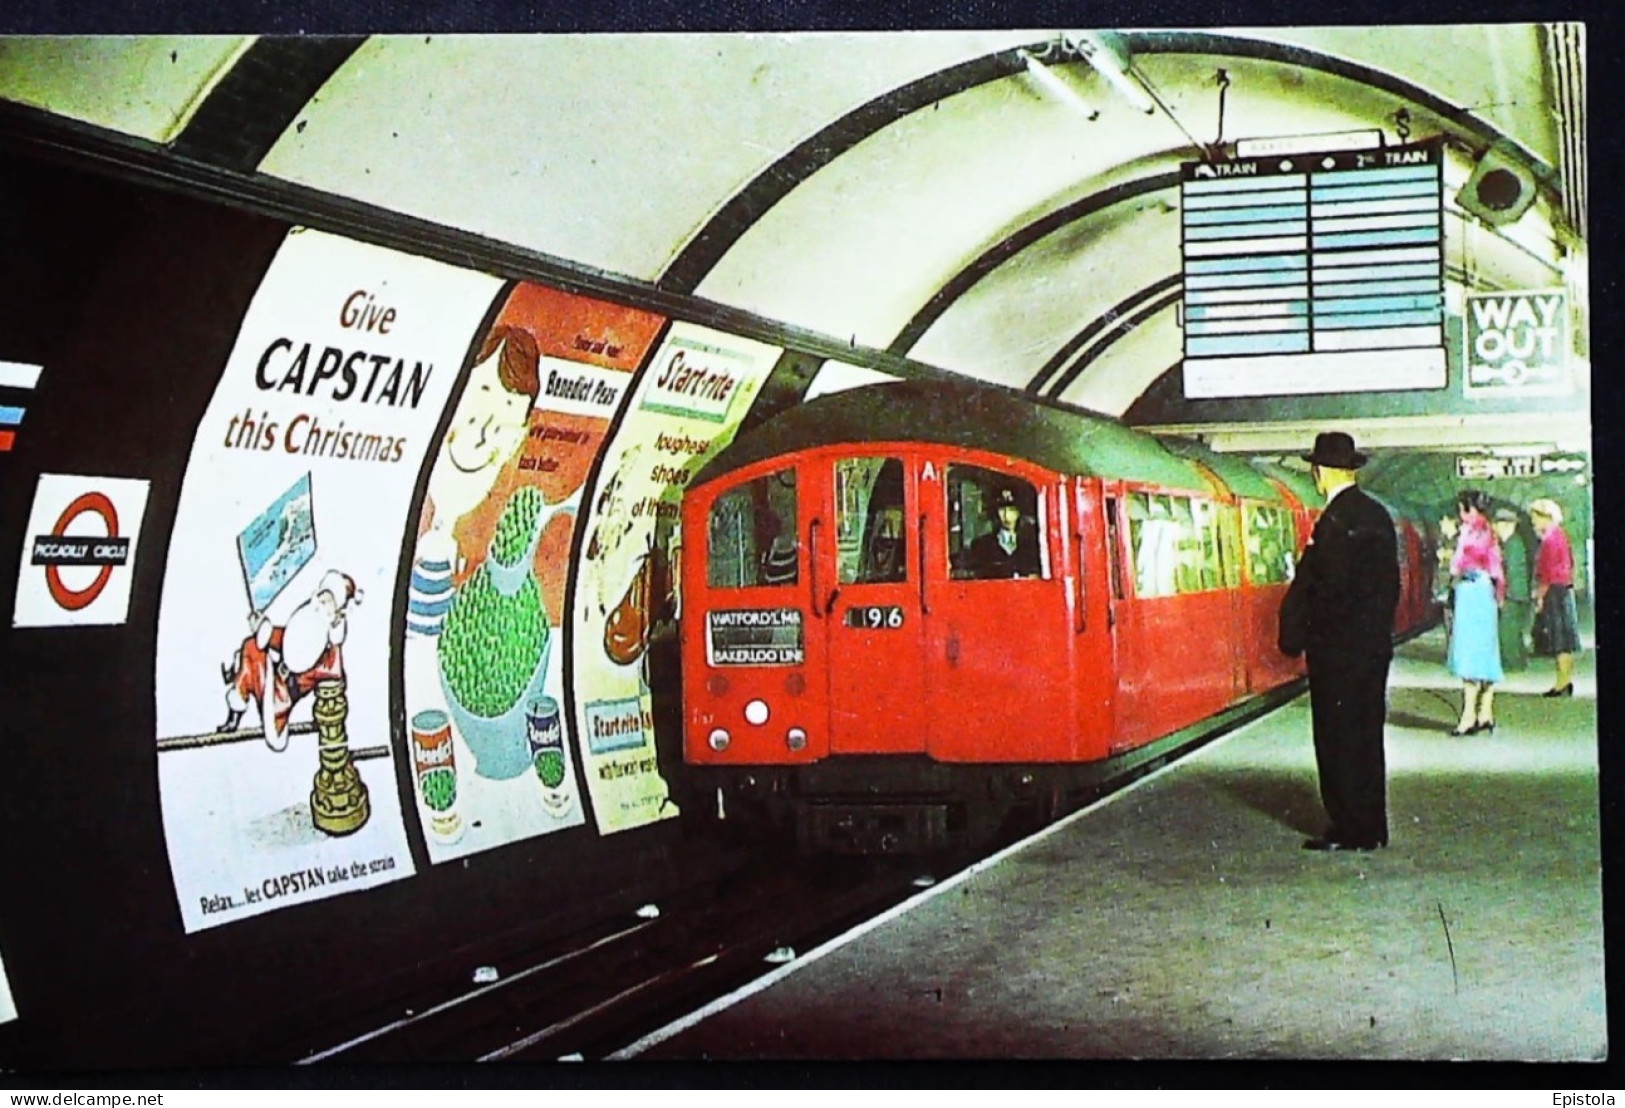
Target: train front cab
(839,611)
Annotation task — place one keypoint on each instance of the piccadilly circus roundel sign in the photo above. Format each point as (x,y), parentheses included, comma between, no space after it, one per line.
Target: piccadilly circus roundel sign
(78,551)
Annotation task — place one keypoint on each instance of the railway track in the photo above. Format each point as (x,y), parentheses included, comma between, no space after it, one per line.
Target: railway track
(592,993)
(589,996)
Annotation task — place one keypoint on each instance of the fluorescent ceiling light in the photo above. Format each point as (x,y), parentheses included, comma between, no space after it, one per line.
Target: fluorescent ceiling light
(1059,88)
(1106,61)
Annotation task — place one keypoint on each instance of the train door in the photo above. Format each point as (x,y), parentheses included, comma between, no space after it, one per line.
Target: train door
(750,650)
(1119,563)
(867,596)
(1099,573)
(999,632)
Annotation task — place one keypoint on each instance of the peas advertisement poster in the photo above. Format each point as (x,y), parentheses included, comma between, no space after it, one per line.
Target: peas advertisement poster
(688,404)
(276,764)
(483,657)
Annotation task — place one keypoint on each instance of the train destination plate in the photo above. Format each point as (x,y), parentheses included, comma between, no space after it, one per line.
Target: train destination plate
(755,637)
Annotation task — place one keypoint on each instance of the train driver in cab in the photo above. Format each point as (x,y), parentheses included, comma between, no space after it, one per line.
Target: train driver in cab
(1011,549)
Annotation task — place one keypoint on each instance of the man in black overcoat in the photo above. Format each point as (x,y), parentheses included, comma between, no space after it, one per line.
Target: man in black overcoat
(1340,609)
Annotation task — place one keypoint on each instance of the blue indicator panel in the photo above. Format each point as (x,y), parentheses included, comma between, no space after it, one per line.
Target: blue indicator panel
(1286,256)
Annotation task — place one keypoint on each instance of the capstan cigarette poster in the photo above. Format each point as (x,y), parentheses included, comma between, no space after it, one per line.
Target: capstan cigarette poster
(492,749)
(276,758)
(687,405)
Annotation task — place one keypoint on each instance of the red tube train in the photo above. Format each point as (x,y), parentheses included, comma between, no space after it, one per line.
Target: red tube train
(913,610)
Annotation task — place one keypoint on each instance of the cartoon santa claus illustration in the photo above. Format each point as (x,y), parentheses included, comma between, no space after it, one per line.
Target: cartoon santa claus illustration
(284,664)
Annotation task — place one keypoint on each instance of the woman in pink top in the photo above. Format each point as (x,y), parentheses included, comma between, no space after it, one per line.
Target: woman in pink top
(1475,641)
(1557,630)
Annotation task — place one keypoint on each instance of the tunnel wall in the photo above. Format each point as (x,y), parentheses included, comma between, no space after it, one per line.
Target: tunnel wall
(204,881)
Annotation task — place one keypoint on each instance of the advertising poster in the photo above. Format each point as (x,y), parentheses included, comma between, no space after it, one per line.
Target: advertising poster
(8,1010)
(687,406)
(483,656)
(79,551)
(275,755)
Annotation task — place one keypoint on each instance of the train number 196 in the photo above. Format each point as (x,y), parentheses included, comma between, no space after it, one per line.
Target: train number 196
(875,617)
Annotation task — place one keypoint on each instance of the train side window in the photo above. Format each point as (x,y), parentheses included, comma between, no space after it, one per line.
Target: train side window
(1229,518)
(1205,560)
(1269,539)
(1154,536)
(1188,574)
(871,533)
(996,525)
(754,534)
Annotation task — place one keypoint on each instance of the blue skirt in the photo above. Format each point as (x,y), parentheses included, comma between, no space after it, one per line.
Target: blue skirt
(1475,638)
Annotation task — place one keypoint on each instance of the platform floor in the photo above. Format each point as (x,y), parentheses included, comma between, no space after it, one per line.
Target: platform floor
(1181,919)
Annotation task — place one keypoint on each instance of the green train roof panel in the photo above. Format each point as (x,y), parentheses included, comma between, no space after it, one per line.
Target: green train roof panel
(969,416)
(1298,481)
(1237,473)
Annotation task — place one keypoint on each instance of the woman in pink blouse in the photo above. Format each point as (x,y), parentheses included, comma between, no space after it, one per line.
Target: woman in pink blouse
(1475,641)
(1557,630)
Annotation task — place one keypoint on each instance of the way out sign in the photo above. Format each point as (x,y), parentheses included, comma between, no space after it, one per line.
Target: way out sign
(1517,343)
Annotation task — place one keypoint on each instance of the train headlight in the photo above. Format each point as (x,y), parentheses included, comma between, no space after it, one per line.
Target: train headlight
(796,739)
(756,712)
(719,740)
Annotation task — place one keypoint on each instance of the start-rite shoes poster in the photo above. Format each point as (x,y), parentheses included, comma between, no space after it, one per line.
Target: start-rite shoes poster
(276,759)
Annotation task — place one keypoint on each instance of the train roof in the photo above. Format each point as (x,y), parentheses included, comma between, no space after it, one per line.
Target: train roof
(1237,473)
(1297,481)
(970,416)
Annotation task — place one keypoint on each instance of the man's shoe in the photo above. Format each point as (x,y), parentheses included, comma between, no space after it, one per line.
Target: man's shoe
(1339,844)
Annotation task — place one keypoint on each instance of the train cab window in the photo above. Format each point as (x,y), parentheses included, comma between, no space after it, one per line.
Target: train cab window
(871,534)
(754,534)
(1269,538)
(995,526)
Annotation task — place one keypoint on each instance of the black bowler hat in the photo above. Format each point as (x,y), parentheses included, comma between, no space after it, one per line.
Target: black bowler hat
(1335,449)
(1006,498)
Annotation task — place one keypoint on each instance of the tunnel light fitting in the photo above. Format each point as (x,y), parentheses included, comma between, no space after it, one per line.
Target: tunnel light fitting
(1057,87)
(1113,65)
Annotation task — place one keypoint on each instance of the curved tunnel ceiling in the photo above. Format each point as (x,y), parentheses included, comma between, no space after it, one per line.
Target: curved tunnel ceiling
(919,192)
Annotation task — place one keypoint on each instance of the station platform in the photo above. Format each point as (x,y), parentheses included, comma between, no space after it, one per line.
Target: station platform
(1181,918)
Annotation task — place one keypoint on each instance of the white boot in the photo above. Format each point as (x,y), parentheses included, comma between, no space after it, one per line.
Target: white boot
(1469,708)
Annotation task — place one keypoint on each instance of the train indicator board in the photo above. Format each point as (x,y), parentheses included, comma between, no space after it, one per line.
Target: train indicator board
(1313,273)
